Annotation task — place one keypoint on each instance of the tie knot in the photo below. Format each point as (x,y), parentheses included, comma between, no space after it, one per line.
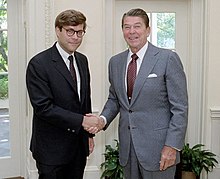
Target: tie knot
(134,57)
(70,58)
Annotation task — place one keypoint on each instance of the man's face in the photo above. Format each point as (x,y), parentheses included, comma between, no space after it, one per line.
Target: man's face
(135,32)
(69,43)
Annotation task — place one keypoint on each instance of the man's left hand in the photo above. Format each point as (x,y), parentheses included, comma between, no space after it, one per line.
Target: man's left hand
(168,157)
(91,145)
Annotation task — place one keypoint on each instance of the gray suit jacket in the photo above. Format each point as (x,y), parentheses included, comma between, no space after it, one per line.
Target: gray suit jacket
(157,114)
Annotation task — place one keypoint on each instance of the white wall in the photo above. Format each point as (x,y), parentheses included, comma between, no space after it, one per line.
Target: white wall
(204,66)
(211,133)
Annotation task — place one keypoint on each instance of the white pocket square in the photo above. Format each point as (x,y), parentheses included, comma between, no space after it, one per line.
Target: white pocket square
(153,75)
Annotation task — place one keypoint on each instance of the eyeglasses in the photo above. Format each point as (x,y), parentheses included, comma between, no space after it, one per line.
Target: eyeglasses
(71,32)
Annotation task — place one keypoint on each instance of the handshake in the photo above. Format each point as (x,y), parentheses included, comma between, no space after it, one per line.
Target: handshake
(92,123)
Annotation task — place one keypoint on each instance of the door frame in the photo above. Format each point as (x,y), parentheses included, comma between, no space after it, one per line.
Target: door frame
(196,18)
(14,164)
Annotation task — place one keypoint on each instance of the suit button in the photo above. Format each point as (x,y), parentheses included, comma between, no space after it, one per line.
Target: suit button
(129,127)
(68,129)
(73,130)
(130,111)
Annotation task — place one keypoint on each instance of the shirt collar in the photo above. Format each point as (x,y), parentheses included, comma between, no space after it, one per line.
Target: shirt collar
(62,52)
(141,52)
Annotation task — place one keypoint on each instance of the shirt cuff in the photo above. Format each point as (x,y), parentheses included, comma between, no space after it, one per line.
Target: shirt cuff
(104,119)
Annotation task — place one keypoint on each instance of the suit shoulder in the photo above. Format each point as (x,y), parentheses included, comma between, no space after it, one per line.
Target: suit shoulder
(119,56)
(165,55)
(162,52)
(165,51)
(81,57)
(42,56)
(79,54)
(172,58)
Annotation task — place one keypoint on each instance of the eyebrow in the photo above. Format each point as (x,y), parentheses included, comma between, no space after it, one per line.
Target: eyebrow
(137,23)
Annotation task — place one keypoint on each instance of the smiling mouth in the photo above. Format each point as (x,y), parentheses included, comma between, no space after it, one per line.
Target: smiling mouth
(73,43)
(133,38)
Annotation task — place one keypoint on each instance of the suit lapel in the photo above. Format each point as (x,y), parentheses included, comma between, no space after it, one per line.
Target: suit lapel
(146,67)
(82,77)
(61,66)
(121,70)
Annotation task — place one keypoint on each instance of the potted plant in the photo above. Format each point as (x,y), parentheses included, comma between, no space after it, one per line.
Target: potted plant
(111,166)
(196,159)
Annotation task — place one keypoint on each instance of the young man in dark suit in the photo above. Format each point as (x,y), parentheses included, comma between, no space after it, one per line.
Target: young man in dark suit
(58,83)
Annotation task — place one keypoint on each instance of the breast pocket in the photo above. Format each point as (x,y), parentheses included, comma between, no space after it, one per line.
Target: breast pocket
(155,85)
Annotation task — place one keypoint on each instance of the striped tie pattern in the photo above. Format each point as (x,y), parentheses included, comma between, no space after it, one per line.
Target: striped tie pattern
(131,75)
(72,70)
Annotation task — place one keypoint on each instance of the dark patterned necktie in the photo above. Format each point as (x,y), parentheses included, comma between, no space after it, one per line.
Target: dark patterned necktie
(131,75)
(72,70)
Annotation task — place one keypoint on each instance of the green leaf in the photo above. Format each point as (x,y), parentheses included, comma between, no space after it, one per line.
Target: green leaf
(111,166)
(196,159)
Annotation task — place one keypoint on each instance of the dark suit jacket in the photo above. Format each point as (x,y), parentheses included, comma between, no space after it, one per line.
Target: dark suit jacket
(57,111)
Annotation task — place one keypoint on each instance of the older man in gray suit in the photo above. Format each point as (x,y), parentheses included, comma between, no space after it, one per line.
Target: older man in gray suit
(153,108)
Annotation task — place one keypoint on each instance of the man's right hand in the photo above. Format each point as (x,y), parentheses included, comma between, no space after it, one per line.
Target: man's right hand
(93,123)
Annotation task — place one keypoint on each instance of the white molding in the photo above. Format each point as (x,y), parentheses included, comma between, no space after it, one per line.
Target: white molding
(217,166)
(32,174)
(196,71)
(95,110)
(92,169)
(110,7)
(214,139)
(14,164)
(215,113)
(49,24)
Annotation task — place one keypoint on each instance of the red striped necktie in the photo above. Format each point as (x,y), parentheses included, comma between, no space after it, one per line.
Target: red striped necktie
(131,75)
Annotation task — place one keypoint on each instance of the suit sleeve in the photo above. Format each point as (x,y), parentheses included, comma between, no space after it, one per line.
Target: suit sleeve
(42,100)
(111,107)
(178,99)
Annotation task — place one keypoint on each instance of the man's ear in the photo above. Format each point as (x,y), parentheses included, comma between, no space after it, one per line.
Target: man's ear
(148,31)
(57,30)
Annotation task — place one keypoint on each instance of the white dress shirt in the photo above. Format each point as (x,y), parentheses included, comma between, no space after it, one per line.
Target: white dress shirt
(140,55)
(65,56)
